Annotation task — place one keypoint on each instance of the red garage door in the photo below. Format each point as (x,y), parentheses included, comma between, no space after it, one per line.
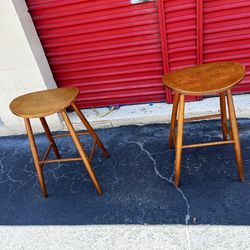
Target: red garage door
(109,49)
(197,31)
(116,52)
(227,34)
(180,35)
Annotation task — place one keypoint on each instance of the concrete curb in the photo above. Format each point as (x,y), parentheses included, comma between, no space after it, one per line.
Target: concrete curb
(157,113)
(141,114)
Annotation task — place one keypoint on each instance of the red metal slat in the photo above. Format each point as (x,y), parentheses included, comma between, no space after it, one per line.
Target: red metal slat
(199,31)
(164,45)
(90,18)
(180,24)
(109,49)
(226,35)
(111,46)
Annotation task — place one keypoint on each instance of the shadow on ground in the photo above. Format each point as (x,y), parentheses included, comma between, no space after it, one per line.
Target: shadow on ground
(136,180)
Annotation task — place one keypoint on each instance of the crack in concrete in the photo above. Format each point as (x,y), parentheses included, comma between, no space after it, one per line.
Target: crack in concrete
(169,180)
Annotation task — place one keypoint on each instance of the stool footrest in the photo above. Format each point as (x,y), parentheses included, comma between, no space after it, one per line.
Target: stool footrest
(204,117)
(60,160)
(66,159)
(207,144)
(66,135)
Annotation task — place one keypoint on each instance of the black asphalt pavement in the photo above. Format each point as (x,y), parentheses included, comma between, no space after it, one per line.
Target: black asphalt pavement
(136,180)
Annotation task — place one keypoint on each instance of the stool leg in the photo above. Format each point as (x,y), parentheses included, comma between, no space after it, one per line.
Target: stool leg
(235,135)
(173,120)
(50,138)
(90,129)
(179,140)
(81,152)
(35,156)
(223,113)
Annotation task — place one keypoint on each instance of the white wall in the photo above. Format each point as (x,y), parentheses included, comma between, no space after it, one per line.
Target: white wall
(23,65)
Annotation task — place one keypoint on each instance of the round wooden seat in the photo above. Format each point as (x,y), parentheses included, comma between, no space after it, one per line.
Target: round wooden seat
(205,79)
(43,103)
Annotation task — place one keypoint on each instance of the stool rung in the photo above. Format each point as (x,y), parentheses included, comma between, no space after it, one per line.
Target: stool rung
(46,154)
(66,159)
(65,135)
(60,160)
(204,117)
(207,144)
(228,131)
(92,151)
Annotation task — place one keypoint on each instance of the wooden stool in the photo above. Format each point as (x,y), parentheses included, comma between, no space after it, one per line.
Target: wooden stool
(43,103)
(205,79)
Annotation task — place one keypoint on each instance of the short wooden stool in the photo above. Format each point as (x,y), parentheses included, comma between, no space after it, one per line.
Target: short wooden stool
(205,79)
(43,103)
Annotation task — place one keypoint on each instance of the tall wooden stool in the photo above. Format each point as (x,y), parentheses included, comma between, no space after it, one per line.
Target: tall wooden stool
(43,103)
(205,79)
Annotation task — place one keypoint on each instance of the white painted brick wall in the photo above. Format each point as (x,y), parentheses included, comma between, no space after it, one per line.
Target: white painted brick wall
(23,65)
